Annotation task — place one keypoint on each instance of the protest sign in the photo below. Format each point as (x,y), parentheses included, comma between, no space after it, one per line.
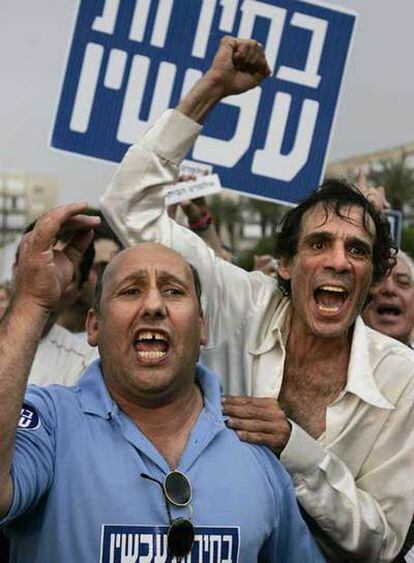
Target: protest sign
(131,60)
(395,218)
(202,186)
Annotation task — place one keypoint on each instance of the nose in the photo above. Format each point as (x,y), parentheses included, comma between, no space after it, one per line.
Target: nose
(387,286)
(152,305)
(337,259)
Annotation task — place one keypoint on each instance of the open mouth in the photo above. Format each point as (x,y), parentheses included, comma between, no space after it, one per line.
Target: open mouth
(330,298)
(388,311)
(151,345)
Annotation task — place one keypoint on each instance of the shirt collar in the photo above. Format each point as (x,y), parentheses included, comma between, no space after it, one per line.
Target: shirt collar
(210,387)
(94,396)
(95,399)
(361,381)
(277,331)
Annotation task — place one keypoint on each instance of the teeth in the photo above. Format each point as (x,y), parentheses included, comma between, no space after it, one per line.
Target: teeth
(153,355)
(150,336)
(333,288)
(328,309)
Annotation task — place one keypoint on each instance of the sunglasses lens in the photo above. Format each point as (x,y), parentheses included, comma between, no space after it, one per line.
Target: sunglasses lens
(180,537)
(177,488)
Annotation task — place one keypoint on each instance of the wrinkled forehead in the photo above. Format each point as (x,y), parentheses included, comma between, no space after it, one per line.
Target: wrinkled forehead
(147,258)
(324,214)
(402,266)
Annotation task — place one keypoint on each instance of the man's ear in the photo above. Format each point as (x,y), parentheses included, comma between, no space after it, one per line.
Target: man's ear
(92,327)
(284,269)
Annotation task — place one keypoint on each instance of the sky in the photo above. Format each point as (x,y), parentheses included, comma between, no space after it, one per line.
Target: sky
(375,109)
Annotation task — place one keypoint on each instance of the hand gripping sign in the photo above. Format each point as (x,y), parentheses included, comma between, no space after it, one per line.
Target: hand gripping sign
(131,60)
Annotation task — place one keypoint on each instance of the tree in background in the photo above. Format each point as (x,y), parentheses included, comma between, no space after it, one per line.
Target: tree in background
(407,240)
(269,214)
(263,246)
(398,180)
(227,214)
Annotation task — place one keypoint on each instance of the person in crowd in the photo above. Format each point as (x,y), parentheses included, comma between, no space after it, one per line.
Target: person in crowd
(303,374)
(265,263)
(135,462)
(61,357)
(391,309)
(106,245)
(5,293)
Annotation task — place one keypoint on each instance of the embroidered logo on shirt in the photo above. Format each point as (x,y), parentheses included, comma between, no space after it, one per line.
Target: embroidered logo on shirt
(29,419)
(131,543)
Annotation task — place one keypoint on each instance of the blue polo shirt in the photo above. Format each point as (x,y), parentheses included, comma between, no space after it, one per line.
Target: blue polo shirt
(79,497)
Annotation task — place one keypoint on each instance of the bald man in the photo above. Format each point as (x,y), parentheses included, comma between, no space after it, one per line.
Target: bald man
(136,461)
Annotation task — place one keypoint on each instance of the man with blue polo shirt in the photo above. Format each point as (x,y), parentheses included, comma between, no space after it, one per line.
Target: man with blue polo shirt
(135,462)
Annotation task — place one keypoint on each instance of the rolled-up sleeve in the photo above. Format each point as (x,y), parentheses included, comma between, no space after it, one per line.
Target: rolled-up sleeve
(135,208)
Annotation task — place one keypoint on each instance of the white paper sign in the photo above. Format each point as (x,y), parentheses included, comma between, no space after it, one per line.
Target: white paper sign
(195,168)
(204,185)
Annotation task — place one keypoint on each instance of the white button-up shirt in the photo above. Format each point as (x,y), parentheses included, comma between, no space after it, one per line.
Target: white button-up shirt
(356,480)
(61,358)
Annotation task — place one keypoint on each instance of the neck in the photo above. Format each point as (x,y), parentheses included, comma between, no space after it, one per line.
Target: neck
(167,424)
(305,348)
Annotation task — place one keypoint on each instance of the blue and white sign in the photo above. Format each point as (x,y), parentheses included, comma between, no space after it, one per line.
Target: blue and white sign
(148,543)
(395,219)
(132,59)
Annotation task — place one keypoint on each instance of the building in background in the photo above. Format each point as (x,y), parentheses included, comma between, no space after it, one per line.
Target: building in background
(23,197)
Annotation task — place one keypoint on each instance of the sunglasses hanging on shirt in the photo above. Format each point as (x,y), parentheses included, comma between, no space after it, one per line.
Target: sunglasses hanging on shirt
(177,491)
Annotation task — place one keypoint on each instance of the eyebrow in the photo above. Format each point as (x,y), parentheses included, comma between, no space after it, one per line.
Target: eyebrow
(368,244)
(142,275)
(326,235)
(403,275)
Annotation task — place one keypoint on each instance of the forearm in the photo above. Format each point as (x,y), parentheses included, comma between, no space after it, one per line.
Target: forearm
(134,202)
(211,238)
(201,99)
(20,332)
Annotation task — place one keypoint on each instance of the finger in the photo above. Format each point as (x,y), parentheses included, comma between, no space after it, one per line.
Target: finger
(381,191)
(362,180)
(77,246)
(255,55)
(78,223)
(377,199)
(200,201)
(250,57)
(244,53)
(186,178)
(48,225)
(185,203)
(243,400)
(235,399)
(249,412)
(255,425)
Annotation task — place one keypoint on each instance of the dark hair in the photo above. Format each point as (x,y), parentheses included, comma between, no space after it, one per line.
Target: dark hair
(333,195)
(103,230)
(85,264)
(99,286)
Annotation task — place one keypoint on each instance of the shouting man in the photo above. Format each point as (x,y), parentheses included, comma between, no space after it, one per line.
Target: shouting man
(304,375)
(134,463)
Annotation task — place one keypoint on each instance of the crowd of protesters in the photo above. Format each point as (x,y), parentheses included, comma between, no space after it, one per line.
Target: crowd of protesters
(312,349)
